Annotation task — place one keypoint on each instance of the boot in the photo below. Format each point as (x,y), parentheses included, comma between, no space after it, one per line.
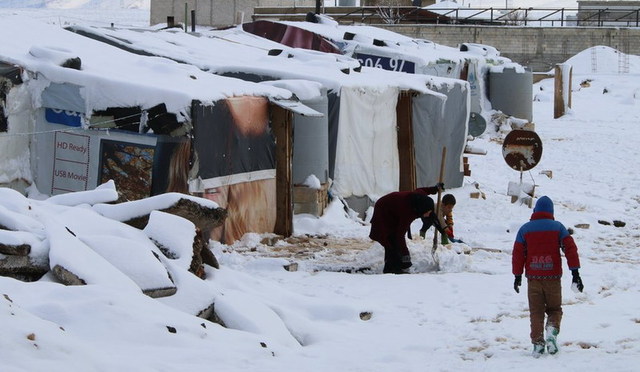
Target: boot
(552,345)
(538,350)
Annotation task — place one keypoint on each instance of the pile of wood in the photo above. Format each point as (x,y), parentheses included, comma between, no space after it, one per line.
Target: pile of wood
(73,241)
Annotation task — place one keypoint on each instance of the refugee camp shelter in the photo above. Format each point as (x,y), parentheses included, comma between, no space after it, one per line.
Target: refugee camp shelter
(381,48)
(367,156)
(87,112)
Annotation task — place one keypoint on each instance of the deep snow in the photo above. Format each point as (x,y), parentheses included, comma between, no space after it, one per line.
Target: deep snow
(464,317)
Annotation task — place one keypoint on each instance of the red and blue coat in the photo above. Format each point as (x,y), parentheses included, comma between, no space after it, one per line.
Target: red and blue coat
(538,246)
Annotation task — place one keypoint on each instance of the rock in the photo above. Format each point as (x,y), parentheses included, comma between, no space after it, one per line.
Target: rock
(135,259)
(184,245)
(204,218)
(209,258)
(23,268)
(366,315)
(291,267)
(66,277)
(271,240)
(207,313)
(15,250)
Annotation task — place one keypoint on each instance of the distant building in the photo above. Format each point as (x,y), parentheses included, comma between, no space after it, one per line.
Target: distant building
(215,12)
(617,13)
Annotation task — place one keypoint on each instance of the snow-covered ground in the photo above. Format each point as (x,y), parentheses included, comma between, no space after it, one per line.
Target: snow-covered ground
(464,317)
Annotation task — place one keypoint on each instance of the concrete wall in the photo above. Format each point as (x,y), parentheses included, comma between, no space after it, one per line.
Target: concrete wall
(537,47)
(214,12)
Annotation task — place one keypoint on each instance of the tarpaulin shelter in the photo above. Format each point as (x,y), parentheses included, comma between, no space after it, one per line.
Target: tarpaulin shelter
(355,98)
(89,112)
(376,47)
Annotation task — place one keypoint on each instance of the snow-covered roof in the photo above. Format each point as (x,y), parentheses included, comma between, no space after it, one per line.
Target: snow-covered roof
(420,50)
(111,77)
(236,51)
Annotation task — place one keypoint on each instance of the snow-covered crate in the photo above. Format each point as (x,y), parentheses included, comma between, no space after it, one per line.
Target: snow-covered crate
(310,200)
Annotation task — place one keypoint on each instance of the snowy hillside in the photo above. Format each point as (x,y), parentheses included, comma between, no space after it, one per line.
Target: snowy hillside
(128,13)
(76,4)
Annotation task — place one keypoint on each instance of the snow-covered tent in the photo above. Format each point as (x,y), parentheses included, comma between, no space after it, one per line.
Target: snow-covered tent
(362,162)
(381,48)
(15,151)
(88,112)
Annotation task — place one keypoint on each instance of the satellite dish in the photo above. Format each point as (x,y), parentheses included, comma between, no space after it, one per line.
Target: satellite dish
(522,149)
(477,124)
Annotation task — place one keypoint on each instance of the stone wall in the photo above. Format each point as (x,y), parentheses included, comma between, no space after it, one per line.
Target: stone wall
(537,47)
(215,12)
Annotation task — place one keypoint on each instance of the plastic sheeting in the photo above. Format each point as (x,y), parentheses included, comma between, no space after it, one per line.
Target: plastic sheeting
(366,161)
(438,123)
(311,143)
(63,96)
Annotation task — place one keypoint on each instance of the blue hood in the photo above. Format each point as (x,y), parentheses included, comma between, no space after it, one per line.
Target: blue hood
(544,204)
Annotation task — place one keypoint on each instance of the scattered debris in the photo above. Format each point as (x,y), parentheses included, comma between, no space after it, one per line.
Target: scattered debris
(547,172)
(616,223)
(291,267)
(366,315)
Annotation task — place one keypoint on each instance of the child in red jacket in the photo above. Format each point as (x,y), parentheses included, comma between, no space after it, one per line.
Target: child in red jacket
(536,251)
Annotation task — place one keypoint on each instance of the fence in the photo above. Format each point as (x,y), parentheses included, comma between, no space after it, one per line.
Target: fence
(541,17)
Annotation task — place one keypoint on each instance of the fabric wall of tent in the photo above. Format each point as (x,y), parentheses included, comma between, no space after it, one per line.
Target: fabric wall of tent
(15,148)
(445,109)
(380,48)
(88,112)
(237,170)
(366,157)
(310,143)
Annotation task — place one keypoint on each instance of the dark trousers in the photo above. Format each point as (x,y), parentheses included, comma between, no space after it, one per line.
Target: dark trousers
(395,261)
(545,298)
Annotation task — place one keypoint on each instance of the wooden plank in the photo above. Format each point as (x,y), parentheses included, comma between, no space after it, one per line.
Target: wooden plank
(282,126)
(406,150)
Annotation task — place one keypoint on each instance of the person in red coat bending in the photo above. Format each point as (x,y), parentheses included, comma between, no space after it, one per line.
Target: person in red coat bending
(536,252)
(392,217)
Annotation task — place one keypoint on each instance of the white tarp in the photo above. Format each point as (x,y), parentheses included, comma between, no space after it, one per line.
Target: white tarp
(367,161)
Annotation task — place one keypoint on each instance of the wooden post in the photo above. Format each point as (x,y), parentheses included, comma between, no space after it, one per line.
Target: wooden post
(406,152)
(186,19)
(562,89)
(437,211)
(282,126)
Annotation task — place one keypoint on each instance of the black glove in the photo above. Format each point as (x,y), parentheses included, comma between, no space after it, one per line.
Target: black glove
(577,280)
(440,186)
(517,283)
